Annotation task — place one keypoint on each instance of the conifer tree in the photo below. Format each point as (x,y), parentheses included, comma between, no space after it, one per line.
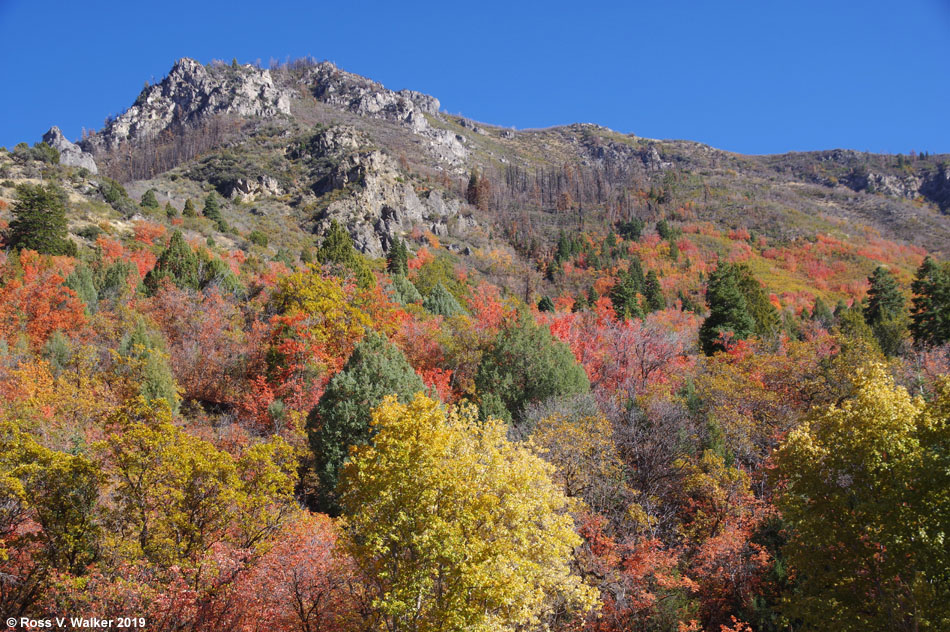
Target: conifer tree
(728,310)
(884,311)
(930,307)
(212,209)
(545,304)
(337,249)
(397,259)
(820,312)
(375,369)
(653,293)
(177,262)
(39,220)
(189,209)
(625,295)
(441,302)
(149,200)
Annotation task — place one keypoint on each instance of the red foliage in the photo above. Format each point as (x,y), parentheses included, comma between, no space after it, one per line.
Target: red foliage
(38,303)
(148,232)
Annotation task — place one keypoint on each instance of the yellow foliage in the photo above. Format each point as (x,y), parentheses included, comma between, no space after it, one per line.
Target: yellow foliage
(458,528)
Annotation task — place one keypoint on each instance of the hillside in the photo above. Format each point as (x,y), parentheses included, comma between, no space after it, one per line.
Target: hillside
(284,349)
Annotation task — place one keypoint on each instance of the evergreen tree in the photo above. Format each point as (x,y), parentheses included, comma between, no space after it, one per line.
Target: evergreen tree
(526,364)
(471,192)
(149,200)
(341,418)
(822,314)
(930,307)
(83,283)
(177,262)
(653,293)
(397,259)
(674,251)
(170,211)
(545,304)
(39,220)
(156,379)
(404,292)
(884,311)
(625,295)
(728,310)
(212,209)
(189,209)
(441,302)
(767,322)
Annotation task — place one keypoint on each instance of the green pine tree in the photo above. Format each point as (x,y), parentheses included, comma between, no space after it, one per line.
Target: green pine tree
(441,302)
(149,200)
(212,209)
(545,304)
(625,295)
(341,419)
(178,263)
(39,220)
(728,311)
(884,311)
(930,307)
(397,259)
(189,209)
(653,293)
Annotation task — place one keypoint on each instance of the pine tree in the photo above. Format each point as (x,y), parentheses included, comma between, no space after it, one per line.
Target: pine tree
(341,418)
(471,192)
(337,249)
(545,304)
(930,307)
(653,293)
(821,313)
(441,302)
(178,263)
(728,311)
(767,322)
(884,312)
(212,209)
(189,209)
(625,295)
(170,211)
(39,220)
(149,200)
(397,259)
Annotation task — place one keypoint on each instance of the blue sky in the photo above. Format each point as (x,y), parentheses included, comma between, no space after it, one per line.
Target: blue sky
(752,77)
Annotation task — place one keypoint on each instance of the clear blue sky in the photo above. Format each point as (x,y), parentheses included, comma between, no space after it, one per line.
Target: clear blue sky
(753,77)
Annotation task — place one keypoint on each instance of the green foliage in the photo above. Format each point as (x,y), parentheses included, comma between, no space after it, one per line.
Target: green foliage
(625,294)
(545,304)
(178,263)
(189,209)
(930,307)
(397,259)
(82,281)
(156,380)
(341,418)
(631,230)
(117,197)
(258,238)
(212,208)
(149,200)
(439,301)
(822,313)
(766,318)
(39,151)
(526,364)
(728,310)
(337,249)
(652,293)
(884,311)
(39,220)
(404,292)
(57,352)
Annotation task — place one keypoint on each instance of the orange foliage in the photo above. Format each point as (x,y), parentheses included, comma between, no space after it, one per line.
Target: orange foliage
(148,232)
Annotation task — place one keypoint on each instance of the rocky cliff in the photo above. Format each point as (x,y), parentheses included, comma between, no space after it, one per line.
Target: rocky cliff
(190,94)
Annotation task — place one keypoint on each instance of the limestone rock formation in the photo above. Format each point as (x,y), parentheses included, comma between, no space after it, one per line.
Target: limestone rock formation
(70,153)
(190,93)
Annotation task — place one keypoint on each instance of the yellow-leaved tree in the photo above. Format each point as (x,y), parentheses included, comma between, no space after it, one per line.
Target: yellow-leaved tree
(455,527)
(866,489)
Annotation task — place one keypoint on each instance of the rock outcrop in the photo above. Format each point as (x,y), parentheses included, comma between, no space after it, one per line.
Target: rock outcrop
(381,205)
(190,94)
(365,97)
(70,153)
